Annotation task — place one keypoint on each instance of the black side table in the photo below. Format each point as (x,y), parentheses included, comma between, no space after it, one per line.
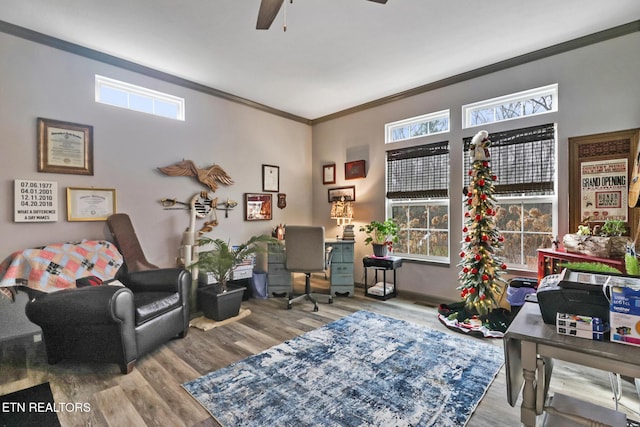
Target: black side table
(384,264)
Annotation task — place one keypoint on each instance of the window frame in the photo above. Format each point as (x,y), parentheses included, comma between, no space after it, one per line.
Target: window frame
(417,120)
(139,91)
(520,196)
(428,196)
(523,96)
(390,203)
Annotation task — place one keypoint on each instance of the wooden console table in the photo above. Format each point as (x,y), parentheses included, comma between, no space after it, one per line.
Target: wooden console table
(530,345)
(548,260)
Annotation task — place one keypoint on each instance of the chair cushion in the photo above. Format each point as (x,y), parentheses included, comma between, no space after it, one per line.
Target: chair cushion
(152,304)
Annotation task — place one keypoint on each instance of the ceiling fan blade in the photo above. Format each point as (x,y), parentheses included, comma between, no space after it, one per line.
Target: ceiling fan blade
(379,1)
(267,13)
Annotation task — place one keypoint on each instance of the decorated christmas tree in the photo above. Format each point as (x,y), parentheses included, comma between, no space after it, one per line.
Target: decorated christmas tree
(480,282)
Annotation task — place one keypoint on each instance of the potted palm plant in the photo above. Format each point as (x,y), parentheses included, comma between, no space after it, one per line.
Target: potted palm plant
(222,300)
(381,235)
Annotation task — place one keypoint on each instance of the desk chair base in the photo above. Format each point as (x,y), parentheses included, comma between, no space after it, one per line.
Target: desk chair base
(307,295)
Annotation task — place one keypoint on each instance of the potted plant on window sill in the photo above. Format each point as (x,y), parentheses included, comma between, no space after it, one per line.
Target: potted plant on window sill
(222,300)
(381,235)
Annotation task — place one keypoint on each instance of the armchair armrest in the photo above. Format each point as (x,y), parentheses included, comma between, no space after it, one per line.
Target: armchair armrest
(90,305)
(158,280)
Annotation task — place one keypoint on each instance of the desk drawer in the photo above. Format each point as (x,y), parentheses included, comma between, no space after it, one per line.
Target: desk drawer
(341,268)
(342,252)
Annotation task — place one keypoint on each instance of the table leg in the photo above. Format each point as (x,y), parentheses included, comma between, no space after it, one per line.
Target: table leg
(529,365)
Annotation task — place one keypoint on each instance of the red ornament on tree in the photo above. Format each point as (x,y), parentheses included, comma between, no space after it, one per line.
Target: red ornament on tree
(481,182)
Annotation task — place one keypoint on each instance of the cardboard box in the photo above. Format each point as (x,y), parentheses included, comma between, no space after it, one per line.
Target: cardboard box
(580,333)
(624,317)
(585,323)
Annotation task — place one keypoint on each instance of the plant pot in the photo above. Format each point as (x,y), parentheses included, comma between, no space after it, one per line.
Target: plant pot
(598,246)
(380,249)
(219,305)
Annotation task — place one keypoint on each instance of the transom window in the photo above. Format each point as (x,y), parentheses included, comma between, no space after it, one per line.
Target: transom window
(138,98)
(415,127)
(531,102)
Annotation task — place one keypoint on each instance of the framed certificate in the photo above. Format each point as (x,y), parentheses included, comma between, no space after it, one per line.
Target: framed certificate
(270,178)
(65,147)
(90,204)
(329,174)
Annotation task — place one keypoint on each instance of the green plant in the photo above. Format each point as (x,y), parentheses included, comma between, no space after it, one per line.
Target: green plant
(593,267)
(221,258)
(612,227)
(381,232)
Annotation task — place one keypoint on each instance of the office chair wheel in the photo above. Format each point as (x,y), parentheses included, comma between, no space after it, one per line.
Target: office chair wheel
(315,308)
(330,300)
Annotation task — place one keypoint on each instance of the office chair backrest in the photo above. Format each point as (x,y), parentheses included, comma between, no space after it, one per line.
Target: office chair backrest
(304,248)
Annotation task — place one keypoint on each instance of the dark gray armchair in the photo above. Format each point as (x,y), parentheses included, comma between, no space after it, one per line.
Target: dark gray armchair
(114,324)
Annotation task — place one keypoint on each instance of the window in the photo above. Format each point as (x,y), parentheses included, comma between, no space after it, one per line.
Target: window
(137,98)
(415,127)
(418,199)
(524,162)
(517,105)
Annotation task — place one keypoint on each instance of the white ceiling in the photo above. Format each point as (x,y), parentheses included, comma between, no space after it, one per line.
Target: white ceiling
(335,54)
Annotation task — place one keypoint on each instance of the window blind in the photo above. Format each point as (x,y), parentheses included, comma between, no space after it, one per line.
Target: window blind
(418,172)
(522,159)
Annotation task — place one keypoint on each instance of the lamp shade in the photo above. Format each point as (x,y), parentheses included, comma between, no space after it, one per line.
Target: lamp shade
(342,211)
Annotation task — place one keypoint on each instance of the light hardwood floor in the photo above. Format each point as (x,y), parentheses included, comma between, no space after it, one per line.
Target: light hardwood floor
(152,396)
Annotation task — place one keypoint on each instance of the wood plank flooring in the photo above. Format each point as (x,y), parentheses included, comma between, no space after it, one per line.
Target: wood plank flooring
(152,394)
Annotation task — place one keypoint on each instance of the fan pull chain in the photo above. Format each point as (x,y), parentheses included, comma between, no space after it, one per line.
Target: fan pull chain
(284,26)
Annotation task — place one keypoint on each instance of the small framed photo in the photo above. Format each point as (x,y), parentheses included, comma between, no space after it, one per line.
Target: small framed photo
(65,147)
(349,194)
(90,204)
(353,170)
(270,178)
(257,206)
(329,174)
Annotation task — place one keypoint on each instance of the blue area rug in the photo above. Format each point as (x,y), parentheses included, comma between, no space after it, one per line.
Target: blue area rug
(362,370)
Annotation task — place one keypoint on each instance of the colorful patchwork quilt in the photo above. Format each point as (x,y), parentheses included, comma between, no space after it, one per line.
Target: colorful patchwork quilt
(57,266)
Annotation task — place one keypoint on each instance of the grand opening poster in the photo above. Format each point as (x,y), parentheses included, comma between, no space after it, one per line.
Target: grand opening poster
(604,190)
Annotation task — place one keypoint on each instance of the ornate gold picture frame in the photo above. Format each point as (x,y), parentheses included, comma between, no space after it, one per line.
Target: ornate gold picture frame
(65,147)
(90,204)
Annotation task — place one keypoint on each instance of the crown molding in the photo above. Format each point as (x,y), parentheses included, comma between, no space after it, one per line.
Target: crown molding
(76,49)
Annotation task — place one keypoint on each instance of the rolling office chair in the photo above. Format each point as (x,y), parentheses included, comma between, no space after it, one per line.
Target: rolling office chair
(305,253)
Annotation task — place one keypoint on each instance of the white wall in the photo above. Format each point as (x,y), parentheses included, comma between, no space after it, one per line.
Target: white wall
(39,81)
(599,91)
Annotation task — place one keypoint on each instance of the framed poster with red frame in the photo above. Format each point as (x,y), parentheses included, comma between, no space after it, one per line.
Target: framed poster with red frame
(353,170)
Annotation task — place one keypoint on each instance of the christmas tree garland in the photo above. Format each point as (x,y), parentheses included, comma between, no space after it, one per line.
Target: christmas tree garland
(480,282)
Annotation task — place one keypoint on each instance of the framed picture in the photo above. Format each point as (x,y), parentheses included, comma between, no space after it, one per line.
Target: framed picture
(349,194)
(270,178)
(90,204)
(353,170)
(329,174)
(603,173)
(257,206)
(65,147)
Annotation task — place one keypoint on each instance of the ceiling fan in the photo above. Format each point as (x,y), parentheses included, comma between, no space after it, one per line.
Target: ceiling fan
(270,8)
